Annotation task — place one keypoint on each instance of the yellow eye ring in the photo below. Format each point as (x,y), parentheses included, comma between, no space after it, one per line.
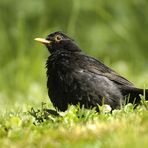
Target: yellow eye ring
(58,38)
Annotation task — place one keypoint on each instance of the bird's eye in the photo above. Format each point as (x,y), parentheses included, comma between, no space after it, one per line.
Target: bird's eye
(58,38)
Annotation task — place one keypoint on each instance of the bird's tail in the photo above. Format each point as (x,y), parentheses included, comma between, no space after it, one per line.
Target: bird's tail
(135,95)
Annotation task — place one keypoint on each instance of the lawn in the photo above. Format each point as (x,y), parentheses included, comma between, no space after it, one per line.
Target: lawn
(35,127)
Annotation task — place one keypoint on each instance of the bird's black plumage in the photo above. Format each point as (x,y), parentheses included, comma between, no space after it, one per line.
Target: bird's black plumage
(74,77)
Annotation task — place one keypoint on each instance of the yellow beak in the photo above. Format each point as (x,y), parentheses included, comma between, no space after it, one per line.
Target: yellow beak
(42,40)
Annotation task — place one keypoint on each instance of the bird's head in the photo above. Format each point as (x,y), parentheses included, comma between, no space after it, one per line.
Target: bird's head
(58,41)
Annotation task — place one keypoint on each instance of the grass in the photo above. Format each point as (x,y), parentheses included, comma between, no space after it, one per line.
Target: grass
(35,127)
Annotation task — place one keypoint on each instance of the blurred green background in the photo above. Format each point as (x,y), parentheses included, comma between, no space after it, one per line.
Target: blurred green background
(116,32)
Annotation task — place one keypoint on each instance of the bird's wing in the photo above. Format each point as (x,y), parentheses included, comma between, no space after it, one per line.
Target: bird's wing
(93,88)
(99,68)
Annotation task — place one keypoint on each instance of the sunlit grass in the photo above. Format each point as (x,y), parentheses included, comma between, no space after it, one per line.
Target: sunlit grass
(76,127)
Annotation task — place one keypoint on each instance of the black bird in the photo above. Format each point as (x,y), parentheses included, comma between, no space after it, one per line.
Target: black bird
(75,78)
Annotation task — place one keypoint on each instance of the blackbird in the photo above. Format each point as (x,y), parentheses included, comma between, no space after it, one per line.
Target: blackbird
(76,78)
